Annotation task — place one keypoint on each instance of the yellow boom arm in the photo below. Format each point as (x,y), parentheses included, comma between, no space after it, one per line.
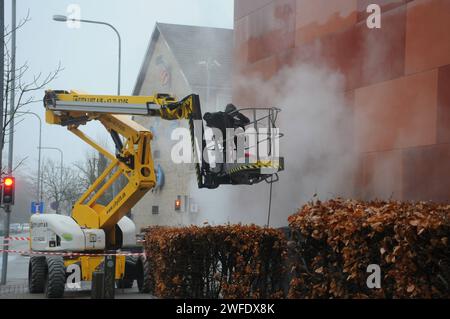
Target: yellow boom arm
(133,159)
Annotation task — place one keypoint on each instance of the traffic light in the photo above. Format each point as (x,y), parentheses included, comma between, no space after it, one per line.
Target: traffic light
(9,185)
(178,204)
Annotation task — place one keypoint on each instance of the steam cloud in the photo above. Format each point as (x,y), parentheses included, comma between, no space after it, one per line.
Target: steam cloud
(317,147)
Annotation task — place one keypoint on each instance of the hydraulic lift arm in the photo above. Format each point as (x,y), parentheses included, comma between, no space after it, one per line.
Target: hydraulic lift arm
(133,159)
(96,226)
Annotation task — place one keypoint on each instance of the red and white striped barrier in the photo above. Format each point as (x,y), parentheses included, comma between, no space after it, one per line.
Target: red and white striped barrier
(8,241)
(28,239)
(17,239)
(39,253)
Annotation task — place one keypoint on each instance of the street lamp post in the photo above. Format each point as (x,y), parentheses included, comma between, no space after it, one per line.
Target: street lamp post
(62,18)
(61,163)
(39,193)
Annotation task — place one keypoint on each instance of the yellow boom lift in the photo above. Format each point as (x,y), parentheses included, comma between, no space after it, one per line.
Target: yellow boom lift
(93,230)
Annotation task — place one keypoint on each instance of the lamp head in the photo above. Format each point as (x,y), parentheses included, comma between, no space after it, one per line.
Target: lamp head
(59,18)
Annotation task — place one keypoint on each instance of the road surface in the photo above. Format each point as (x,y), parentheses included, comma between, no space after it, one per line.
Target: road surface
(17,279)
(17,264)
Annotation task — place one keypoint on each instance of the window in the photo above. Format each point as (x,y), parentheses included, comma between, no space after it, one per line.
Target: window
(155,210)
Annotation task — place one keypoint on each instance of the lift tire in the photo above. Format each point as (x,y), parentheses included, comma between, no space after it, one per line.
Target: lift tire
(37,269)
(56,277)
(125,283)
(143,275)
(130,273)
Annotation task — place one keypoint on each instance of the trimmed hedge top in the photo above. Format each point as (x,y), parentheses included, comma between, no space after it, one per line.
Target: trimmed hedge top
(216,262)
(331,247)
(337,241)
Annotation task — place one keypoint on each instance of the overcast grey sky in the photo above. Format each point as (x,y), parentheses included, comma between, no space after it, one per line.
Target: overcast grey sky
(89,55)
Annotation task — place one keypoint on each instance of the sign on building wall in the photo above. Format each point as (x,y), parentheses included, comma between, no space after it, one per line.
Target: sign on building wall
(165,72)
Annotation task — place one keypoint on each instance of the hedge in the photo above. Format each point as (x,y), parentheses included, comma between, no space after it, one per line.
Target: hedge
(327,256)
(216,262)
(337,240)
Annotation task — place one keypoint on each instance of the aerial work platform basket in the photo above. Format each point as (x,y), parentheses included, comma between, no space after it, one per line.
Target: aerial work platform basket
(249,146)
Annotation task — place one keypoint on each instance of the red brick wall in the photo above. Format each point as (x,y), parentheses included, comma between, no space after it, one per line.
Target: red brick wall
(397,80)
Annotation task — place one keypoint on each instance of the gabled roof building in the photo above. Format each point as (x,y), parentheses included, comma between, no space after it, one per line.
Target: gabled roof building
(180,60)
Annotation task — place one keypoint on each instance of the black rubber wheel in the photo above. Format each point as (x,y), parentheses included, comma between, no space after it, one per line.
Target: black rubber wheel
(143,275)
(56,277)
(37,269)
(130,273)
(125,283)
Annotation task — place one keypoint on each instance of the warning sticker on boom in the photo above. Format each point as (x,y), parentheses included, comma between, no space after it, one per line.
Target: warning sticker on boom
(99,99)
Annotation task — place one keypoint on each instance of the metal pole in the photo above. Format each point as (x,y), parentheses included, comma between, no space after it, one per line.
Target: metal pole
(5,247)
(114,185)
(39,162)
(38,193)
(62,166)
(11,128)
(119,70)
(120,46)
(2,72)
(61,161)
(41,186)
(120,63)
(12,102)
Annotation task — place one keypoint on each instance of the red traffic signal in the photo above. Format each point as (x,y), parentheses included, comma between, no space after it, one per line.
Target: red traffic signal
(8,181)
(178,204)
(9,185)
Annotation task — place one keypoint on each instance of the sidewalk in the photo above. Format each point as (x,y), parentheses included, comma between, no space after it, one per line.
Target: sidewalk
(17,283)
(20,291)
(14,287)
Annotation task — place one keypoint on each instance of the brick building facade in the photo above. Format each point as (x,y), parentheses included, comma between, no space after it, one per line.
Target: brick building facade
(397,81)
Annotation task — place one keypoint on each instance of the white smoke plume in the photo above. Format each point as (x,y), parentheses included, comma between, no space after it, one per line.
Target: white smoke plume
(317,147)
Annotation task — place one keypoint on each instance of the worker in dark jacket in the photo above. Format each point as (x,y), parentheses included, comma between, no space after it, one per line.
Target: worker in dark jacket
(231,118)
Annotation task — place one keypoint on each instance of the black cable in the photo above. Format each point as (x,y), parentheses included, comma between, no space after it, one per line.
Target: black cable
(270,201)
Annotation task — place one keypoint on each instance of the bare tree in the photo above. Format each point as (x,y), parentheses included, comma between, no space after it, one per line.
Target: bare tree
(90,170)
(64,190)
(23,87)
